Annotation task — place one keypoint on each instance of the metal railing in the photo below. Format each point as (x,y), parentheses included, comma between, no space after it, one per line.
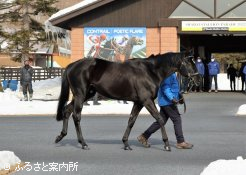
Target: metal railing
(38,73)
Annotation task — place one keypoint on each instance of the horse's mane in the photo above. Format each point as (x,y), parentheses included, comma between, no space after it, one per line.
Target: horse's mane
(170,58)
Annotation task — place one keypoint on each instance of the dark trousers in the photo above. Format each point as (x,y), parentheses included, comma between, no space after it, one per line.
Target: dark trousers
(211,77)
(200,86)
(27,86)
(95,98)
(243,81)
(167,112)
(233,83)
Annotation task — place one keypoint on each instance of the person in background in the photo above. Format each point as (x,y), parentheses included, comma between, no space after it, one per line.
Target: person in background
(241,74)
(168,98)
(214,70)
(244,72)
(231,74)
(95,100)
(184,84)
(26,73)
(201,70)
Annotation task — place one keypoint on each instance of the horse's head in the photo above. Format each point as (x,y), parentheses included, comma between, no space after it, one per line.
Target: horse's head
(135,41)
(187,68)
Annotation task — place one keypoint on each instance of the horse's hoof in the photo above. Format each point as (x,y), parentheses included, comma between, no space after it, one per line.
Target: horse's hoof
(85,147)
(127,148)
(167,148)
(58,139)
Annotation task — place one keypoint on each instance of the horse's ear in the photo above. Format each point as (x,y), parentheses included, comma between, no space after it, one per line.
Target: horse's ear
(189,52)
(152,55)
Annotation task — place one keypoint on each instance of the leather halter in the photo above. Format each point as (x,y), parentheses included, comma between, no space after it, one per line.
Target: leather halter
(189,74)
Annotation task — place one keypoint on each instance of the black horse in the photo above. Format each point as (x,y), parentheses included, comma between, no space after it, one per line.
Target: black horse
(135,80)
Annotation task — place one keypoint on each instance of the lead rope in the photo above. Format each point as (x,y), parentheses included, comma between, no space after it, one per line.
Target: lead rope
(182,98)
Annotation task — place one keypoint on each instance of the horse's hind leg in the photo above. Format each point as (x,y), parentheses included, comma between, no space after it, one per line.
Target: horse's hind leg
(67,113)
(134,114)
(78,104)
(150,106)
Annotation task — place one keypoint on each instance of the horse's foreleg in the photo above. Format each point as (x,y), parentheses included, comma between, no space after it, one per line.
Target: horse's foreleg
(76,118)
(67,113)
(150,106)
(134,114)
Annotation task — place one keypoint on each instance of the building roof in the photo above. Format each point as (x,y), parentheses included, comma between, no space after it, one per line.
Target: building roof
(75,10)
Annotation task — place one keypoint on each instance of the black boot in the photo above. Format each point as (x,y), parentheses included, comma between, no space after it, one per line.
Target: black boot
(96,103)
(30,97)
(86,103)
(25,98)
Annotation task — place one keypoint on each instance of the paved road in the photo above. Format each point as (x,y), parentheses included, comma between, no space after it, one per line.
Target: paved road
(210,124)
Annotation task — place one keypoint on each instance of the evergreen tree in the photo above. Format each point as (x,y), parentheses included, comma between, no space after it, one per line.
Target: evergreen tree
(19,28)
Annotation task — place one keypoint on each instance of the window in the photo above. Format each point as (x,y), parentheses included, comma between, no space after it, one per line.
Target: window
(184,10)
(225,5)
(206,6)
(206,9)
(238,12)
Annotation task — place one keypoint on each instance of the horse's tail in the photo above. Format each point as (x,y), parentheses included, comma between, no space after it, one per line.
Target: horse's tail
(64,95)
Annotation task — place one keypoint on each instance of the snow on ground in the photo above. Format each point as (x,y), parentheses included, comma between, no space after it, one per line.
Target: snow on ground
(242,110)
(46,93)
(226,167)
(8,158)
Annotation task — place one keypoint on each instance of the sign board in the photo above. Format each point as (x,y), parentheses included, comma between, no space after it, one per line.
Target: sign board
(115,43)
(203,26)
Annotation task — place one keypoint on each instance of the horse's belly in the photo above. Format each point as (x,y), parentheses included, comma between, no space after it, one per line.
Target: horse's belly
(117,91)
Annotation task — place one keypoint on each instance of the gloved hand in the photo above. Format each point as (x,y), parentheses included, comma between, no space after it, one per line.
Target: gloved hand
(175,101)
(181,99)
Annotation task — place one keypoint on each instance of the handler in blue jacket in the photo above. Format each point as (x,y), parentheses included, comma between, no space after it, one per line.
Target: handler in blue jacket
(201,71)
(168,98)
(214,70)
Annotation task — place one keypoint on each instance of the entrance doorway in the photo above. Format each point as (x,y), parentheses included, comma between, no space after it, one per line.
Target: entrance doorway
(227,49)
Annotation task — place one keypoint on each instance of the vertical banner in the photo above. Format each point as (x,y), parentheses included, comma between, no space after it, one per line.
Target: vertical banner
(115,43)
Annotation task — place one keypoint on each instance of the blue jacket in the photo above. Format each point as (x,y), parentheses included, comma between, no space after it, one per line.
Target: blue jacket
(200,68)
(244,70)
(213,68)
(169,89)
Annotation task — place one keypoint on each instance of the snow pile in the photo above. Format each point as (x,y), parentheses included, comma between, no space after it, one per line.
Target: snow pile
(9,96)
(226,167)
(241,110)
(8,158)
(11,104)
(47,89)
(45,96)
(43,90)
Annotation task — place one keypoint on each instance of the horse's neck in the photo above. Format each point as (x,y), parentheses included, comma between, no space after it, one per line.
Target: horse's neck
(128,47)
(117,47)
(165,68)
